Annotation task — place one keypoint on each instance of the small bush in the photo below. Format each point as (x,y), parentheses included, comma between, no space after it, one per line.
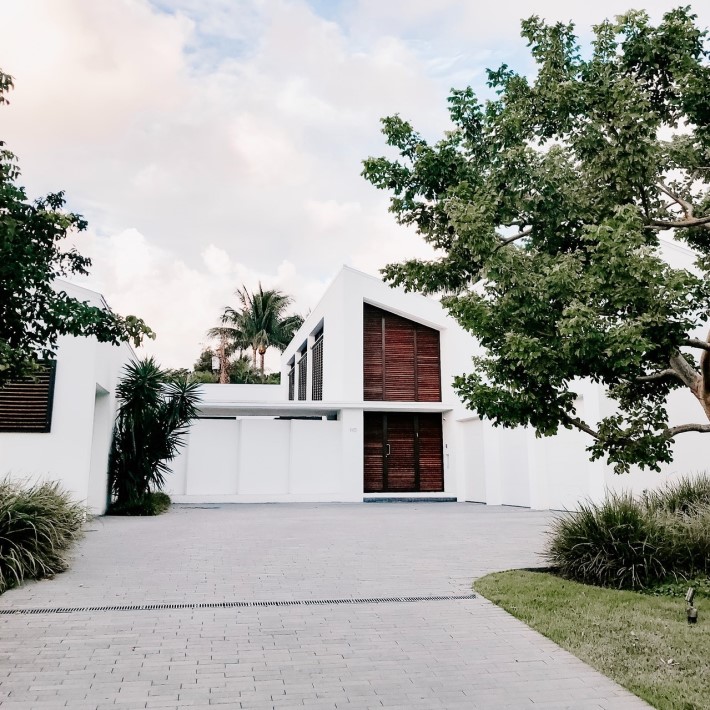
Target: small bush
(38,524)
(614,544)
(153,504)
(635,544)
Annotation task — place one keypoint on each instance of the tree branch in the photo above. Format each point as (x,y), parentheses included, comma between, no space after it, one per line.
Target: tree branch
(690,222)
(670,372)
(684,370)
(681,429)
(697,343)
(684,204)
(522,233)
(579,424)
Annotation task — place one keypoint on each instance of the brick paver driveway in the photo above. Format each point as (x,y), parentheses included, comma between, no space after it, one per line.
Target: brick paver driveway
(458,653)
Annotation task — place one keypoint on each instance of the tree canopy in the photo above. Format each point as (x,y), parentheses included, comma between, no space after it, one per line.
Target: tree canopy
(547,205)
(34,312)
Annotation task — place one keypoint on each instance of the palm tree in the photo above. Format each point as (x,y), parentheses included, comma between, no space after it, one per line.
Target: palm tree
(261,323)
(264,321)
(154,414)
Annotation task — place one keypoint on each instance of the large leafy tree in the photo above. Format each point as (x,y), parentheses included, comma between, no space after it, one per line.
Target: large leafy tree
(548,205)
(33,311)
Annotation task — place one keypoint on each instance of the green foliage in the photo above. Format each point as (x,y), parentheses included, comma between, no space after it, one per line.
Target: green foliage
(38,524)
(681,496)
(633,544)
(545,206)
(154,503)
(33,311)
(154,414)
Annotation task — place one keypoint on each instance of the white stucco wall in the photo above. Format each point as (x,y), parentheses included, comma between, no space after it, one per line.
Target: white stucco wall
(75,451)
(261,459)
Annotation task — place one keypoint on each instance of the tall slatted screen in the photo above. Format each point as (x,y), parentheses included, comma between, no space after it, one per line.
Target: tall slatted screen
(292,382)
(302,375)
(431,453)
(374,452)
(401,359)
(317,376)
(373,352)
(26,405)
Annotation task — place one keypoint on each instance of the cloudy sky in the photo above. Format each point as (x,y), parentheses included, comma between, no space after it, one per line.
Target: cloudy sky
(215,143)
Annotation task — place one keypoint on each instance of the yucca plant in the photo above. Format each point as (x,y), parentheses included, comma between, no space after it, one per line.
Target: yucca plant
(154,414)
(38,524)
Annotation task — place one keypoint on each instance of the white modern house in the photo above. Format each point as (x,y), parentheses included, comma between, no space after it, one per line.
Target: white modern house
(366,411)
(58,427)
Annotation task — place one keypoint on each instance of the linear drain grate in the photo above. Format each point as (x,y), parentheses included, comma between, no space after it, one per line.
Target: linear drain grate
(235,604)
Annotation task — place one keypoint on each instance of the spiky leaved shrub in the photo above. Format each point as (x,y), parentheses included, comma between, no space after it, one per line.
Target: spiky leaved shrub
(38,524)
(681,496)
(629,543)
(614,544)
(153,417)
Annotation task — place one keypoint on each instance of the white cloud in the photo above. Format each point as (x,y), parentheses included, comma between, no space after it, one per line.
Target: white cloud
(214,143)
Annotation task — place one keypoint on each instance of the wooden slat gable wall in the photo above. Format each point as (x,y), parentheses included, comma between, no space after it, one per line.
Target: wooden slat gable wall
(401,359)
(26,405)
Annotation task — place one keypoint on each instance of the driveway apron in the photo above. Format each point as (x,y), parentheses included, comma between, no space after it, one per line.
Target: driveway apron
(291,606)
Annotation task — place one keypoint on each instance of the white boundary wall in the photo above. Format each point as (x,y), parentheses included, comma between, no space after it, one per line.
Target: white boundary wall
(268,460)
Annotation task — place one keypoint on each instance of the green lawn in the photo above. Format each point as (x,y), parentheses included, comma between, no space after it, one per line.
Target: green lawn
(643,642)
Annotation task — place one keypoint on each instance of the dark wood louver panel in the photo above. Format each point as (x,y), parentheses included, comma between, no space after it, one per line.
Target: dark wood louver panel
(373,349)
(317,377)
(428,365)
(374,452)
(292,382)
(400,362)
(26,405)
(431,453)
(400,463)
(401,359)
(302,375)
(403,453)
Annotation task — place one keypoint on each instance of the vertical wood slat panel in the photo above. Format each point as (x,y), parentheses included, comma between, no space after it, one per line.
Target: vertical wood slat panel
(401,359)
(415,461)
(373,463)
(400,364)
(401,462)
(428,365)
(373,372)
(431,453)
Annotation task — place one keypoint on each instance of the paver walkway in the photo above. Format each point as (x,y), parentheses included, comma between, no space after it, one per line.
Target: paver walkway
(426,654)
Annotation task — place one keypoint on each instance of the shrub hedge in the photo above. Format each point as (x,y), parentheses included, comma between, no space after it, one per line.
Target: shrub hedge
(38,524)
(633,544)
(154,503)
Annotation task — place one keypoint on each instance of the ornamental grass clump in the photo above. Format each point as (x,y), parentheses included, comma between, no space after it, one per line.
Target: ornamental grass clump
(635,544)
(38,524)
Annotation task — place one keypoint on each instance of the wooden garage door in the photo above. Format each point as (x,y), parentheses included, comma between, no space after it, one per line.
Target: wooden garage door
(403,453)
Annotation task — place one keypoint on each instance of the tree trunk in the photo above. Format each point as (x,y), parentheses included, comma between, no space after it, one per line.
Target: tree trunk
(261,362)
(253,356)
(223,365)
